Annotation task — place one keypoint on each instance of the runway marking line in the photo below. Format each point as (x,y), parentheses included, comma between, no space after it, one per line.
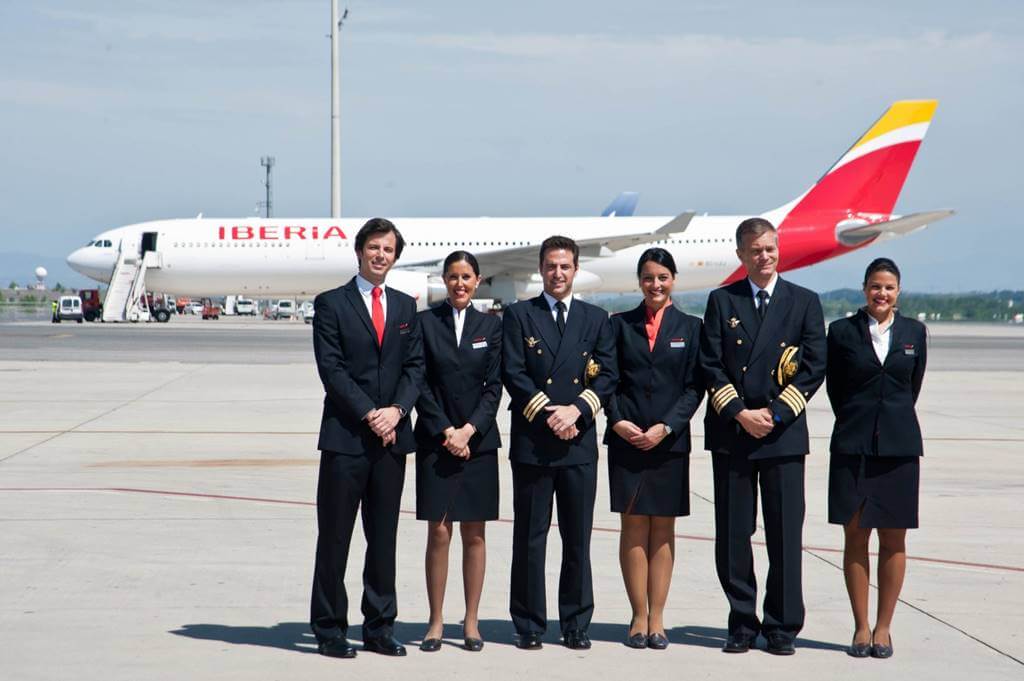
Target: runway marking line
(294,502)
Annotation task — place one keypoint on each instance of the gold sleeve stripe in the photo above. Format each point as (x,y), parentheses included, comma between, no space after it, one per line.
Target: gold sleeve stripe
(793,399)
(591,398)
(785,399)
(795,393)
(536,403)
(723,396)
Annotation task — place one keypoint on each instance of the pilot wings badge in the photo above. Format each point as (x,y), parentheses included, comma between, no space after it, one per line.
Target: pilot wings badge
(531,341)
(733,322)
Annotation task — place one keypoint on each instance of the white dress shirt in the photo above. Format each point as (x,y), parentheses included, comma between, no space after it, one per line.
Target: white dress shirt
(880,338)
(460,321)
(551,300)
(366,290)
(769,289)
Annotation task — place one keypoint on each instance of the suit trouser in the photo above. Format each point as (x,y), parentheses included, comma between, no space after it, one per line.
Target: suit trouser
(782,506)
(574,488)
(375,481)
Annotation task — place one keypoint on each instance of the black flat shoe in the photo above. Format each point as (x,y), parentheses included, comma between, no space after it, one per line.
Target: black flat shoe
(529,642)
(576,640)
(474,645)
(780,645)
(430,645)
(859,649)
(880,651)
(738,643)
(336,647)
(385,645)
(637,641)
(657,642)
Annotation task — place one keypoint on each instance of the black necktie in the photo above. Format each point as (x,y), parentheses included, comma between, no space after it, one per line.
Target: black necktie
(560,318)
(762,303)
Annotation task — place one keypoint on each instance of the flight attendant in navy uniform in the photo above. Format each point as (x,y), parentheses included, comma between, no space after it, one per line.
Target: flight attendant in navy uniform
(457,441)
(763,357)
(369,354)
(559,369)
(876,362)
(648,438)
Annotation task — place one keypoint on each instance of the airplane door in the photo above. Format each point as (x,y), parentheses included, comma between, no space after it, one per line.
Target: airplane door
(148,242)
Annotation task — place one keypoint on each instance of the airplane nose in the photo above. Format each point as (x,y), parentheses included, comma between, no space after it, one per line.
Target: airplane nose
(76,261)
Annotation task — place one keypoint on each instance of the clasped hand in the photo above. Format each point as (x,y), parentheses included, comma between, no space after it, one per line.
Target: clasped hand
(562,420)
(757,422)
(383,422)
(456,440)
(644,440)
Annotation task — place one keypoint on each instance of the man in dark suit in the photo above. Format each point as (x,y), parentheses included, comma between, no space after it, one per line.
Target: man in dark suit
(369,354)
(763,355)
(559,369)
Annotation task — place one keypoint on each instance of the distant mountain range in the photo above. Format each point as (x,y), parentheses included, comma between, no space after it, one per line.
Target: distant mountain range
(20,268)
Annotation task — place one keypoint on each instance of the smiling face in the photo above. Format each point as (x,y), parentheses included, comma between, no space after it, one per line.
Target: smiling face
(760,256)
(377,257)
(461,282)
(557,270)
(656,282)
(881,292)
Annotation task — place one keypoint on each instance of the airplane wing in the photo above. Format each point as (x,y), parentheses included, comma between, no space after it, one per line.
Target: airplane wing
(522,260)
(858,234)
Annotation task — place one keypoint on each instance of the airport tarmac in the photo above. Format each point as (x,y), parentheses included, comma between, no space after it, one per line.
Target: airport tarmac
(157,487)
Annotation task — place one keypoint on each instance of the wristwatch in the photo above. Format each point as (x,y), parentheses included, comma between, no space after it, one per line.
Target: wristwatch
(401,410)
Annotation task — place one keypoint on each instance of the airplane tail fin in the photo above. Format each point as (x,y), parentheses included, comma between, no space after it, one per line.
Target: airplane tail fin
(624,205)
(867,179)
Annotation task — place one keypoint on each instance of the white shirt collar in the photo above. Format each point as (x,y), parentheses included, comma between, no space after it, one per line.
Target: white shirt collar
(770,288)
(551,300)
(364,285)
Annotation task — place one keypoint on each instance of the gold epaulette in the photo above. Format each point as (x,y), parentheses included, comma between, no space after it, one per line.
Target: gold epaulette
(793,398)
(592,400)
(536,403)
(723,396)
(786,369)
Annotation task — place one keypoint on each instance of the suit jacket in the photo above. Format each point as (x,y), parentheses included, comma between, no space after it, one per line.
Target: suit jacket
(742,357)
(656,386)
(874,401)
(358,374)
(540,367)
(462,384)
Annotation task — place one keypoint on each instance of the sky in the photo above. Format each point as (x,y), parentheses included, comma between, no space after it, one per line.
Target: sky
(118,112)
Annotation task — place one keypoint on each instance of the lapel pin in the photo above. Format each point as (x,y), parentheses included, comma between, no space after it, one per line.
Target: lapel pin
(733,322)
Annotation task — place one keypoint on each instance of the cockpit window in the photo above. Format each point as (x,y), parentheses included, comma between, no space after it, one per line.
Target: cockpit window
(89,244)
(97,244)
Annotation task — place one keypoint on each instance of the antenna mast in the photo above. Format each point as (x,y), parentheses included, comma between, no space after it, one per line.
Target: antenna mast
(335,111)
(268,163)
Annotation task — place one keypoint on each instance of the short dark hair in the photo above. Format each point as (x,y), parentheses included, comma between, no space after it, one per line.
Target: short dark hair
(658,256)
(556,243)
(881,265)
(752,226)
(461,256)
(376,226)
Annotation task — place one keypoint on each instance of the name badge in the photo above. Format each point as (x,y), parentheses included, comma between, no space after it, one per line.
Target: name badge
(677,343)
(479,343)
(909,350)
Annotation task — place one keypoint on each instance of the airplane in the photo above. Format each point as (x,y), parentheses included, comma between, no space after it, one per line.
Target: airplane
(849,207)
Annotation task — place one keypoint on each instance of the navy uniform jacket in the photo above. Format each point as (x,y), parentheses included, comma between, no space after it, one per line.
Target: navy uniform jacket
(461,384)
(541,368)
(659,386)
(741,360)
(874,402)
(358,375)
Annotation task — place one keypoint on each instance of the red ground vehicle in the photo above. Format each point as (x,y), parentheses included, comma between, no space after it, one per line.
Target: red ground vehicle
(92,304)
(210,311)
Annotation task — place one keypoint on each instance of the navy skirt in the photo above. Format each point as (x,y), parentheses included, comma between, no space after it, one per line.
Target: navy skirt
(886,487)
(451,488)
(646,483)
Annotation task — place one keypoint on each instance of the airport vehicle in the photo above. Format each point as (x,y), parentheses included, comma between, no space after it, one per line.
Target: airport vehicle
(284,309)
(849,207)
(306,311)
(210,310)
(181,303)
(92,306)
(245,306)
(194,308)
(69,308)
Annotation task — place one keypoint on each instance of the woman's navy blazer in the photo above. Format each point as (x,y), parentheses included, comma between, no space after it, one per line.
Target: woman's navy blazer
(659,386)
(874,401)
(461,383)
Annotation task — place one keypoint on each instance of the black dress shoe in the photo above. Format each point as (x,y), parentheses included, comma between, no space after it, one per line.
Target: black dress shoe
(430,645)
(780,645)
(637,641)
(336,647)
(657,642)
(385,645)
(474,645)
(529,642)
(738,643)
(576,639)
(880,651)
(859,649)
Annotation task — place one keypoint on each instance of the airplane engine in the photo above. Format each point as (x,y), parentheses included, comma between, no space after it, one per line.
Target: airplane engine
(416,284)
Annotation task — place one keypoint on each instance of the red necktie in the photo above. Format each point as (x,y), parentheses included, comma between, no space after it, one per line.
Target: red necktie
(378,315)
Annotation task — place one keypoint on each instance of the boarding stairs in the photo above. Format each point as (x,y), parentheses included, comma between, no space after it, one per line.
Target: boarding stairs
(126,297)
